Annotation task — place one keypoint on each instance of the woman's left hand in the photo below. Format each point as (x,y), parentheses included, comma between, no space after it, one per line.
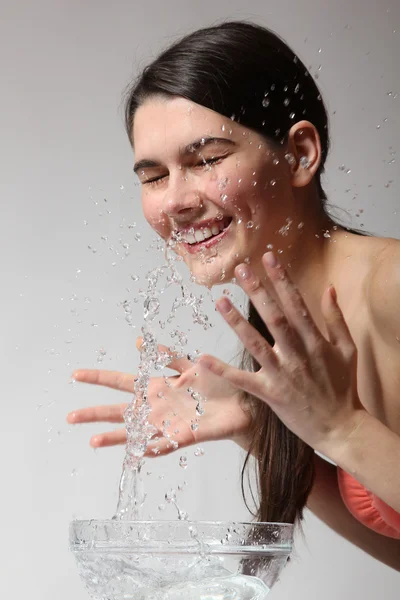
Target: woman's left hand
(308,381)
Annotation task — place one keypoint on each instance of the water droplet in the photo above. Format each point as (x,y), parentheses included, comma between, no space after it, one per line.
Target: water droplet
(290,158)
(265,102)
(199,410)
(223,183)
(250,225)
(170,496)
(286,101)
(285,229)
(304,162)
(275,161)
(199,452)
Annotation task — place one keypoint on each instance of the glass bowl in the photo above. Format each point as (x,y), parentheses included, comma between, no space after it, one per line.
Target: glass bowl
(179,560)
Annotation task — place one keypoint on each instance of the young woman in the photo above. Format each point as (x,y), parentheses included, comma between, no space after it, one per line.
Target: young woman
(230,136)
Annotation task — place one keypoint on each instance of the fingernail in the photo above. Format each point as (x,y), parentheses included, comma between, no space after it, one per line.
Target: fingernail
(271,259)
(205,362)
(224,305)
(244,272)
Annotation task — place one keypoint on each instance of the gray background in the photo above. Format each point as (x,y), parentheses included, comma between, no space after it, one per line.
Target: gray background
(63,151)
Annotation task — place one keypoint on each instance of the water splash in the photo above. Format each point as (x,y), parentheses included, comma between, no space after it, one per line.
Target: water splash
(138,428)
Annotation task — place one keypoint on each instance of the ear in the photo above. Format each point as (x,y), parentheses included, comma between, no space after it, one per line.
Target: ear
(304,141)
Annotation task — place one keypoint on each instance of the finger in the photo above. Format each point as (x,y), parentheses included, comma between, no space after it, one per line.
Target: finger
(286,337)
(113,413)
(165,445)
(177,364)
(255,343)
(338,331)
(291,300)
(161,448)
(112,379)
(244,380)
(111,438)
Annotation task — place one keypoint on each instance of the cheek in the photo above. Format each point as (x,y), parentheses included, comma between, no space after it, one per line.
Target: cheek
(153,215)
(237,186)
(223,186)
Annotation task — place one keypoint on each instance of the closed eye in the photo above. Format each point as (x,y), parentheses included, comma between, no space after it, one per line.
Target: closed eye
(205,162)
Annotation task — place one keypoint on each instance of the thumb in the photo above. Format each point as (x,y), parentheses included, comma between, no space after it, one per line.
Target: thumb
(177,364)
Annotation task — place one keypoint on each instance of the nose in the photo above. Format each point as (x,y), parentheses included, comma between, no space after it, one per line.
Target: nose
(181,197)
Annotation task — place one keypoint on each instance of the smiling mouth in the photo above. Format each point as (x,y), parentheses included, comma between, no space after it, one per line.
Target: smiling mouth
(200,244)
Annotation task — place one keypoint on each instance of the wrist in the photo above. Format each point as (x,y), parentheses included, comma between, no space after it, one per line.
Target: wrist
(338,441)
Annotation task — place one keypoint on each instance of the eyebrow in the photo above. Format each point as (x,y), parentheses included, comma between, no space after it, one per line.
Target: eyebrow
(189,149)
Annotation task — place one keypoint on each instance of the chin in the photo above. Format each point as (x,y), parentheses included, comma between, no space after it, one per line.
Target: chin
(212,274)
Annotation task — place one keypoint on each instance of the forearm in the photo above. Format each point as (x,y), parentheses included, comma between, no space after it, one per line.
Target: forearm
(326,503)
(370,452)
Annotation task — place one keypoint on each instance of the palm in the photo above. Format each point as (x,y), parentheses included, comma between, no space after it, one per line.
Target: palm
(173,407)
(217,414)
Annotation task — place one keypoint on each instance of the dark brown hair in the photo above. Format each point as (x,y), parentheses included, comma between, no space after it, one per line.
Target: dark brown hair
(248,73)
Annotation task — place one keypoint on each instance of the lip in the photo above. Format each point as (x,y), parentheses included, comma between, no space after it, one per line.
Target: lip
(194,248)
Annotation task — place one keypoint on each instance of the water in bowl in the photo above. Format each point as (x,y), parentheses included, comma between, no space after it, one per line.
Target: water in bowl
(169,560)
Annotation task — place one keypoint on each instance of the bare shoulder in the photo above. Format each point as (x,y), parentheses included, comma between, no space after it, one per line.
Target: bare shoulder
(382,289)
(371,257)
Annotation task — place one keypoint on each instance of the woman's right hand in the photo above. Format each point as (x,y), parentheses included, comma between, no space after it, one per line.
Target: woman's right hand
(225,415)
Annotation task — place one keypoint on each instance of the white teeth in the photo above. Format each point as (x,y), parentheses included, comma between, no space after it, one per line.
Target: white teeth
(189,238)
(199,235)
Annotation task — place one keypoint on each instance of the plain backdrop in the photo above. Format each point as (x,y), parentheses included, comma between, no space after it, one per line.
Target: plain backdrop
(70,219)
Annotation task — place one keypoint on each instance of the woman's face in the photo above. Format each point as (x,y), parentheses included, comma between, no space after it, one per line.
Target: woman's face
(203,174)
